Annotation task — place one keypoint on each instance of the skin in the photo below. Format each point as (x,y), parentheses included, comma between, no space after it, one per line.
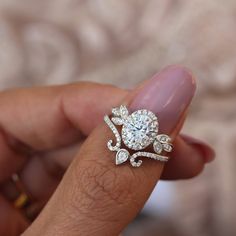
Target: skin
(43,129)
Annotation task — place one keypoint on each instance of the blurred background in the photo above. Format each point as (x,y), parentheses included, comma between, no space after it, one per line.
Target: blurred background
(124,42)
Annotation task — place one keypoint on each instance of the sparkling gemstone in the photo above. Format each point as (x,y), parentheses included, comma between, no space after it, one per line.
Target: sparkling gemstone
(117,120)
(116,111)
(167,147)
(121,156)
(163,138)
(139,129)
(124,111)
(157,146)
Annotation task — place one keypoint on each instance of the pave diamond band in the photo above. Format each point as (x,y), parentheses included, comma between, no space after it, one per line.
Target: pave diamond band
(138,131)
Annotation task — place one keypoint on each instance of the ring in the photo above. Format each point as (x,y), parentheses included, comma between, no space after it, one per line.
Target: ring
(22,200)
(139,130)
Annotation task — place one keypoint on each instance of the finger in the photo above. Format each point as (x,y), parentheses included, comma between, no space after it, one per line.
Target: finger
(188,158)
(208,153)
(98,198)
(65,100)
(10,160)
(48,168)
(43,119)
(48,117)
(11,220)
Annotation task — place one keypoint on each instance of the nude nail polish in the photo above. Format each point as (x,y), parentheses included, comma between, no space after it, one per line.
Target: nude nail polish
(167,94)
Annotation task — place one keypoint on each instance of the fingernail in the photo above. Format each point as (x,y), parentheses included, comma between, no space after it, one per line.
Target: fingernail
(167,94)
(206,151)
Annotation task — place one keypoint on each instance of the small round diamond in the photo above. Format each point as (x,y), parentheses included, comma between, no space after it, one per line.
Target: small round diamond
(140,129)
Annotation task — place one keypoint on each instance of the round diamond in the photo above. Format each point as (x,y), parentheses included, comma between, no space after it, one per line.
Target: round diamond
(139,129)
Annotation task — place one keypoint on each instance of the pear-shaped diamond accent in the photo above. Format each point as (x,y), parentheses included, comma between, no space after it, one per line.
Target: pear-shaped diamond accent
(122,156)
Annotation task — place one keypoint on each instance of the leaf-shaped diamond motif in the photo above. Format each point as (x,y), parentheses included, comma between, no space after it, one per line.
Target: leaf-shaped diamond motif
(167,147)
(116,111)
(117,120)
(124,111)
(122,156)
(163,138)
(157,146)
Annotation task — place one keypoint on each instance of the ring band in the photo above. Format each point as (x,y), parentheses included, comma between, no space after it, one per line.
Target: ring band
(22,199)
(139,131)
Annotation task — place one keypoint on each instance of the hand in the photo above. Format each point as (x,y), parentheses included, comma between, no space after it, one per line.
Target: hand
(44,129)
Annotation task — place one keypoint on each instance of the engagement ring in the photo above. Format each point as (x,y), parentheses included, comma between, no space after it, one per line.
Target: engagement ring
(139,131)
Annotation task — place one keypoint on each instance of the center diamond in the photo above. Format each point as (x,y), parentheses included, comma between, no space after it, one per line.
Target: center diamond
(139,129)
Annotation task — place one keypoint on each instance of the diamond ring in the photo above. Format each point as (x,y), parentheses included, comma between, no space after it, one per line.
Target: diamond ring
(139,130)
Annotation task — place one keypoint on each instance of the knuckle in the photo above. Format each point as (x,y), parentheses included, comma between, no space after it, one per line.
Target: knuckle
(103,182)
(103,187)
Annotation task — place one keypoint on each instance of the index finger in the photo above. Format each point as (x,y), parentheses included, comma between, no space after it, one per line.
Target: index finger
(46,118)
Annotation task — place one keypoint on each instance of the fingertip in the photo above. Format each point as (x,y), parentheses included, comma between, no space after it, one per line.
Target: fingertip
(206,151)
(187,161)
(186,72)
(168,94)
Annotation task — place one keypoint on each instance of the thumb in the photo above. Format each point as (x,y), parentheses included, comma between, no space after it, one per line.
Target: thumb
(96,197)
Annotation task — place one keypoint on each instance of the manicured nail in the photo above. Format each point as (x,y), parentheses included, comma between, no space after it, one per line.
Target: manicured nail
(206,151)
(167,94)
